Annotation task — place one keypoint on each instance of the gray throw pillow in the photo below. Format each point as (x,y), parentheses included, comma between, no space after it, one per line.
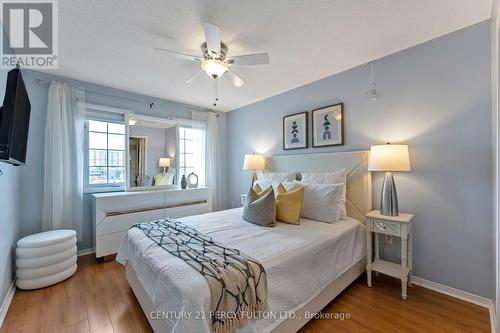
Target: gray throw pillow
(260,210)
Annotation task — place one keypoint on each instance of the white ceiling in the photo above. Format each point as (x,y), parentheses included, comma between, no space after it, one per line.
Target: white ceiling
(111,42)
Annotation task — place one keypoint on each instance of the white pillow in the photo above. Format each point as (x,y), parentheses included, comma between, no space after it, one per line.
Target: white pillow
(323,202)
(337,177)
(277,176)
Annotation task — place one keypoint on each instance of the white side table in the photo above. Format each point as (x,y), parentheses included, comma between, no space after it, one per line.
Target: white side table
(243,197)
(398,226)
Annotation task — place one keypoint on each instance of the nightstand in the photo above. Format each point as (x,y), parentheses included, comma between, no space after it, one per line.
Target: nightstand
(397,226)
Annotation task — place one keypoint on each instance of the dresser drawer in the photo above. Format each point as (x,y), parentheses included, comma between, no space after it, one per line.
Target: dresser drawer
(385,227)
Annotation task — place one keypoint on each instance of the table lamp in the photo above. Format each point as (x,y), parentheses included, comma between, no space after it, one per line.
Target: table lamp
(254,162)
(389,158)
(164,163)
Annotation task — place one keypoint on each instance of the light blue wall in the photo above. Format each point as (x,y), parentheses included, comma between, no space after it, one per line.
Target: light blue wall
(10,208)
(435,97)
(32,175)
(171,138)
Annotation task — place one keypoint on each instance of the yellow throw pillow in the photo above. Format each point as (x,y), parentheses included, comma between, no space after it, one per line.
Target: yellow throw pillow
(257,188)
(280,189)
(289,204)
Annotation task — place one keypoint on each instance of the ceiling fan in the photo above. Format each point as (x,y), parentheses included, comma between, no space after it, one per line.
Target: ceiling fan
(214,61)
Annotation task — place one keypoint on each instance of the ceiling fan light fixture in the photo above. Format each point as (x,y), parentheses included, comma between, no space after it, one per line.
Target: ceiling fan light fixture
(214,67)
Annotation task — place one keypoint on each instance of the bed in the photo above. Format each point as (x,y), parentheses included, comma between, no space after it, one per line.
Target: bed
(307,265)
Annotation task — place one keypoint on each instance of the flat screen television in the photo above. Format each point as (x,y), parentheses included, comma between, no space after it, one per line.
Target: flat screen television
(14,120)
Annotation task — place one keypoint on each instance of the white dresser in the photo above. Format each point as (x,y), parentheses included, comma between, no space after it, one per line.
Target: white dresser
(114,213)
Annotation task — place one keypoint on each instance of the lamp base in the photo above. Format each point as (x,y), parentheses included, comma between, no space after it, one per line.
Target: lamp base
(389,197)
(254,178)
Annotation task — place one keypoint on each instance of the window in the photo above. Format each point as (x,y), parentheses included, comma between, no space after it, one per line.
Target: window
(105,157)
(192,152)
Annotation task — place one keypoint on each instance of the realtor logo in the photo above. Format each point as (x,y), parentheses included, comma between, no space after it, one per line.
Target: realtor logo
(31,28)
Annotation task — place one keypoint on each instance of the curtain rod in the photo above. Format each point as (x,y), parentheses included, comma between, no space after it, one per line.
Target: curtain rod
(151,104)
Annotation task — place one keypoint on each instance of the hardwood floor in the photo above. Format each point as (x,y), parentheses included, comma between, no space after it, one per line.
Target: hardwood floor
(98,299)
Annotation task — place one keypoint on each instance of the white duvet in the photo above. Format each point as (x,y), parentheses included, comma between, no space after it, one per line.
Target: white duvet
(300,261)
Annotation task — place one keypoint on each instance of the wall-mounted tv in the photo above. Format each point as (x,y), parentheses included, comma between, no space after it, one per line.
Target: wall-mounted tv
(14,120)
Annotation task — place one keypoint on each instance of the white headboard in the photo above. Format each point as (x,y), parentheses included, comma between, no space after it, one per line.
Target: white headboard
(359,190)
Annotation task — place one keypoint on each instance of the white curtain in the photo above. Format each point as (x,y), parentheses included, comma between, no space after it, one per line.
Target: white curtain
(213,164)
(213,177)
(63,164)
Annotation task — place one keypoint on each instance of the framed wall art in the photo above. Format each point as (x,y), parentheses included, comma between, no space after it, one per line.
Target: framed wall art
(328,126)
(295,131)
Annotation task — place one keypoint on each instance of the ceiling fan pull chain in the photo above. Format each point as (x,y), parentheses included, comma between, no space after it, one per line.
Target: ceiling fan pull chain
(215,92)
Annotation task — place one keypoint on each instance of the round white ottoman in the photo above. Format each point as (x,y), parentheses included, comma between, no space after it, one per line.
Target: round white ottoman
(45,259)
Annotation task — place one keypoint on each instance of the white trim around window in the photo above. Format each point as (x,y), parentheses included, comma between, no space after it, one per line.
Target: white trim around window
(89,187)
(104,114)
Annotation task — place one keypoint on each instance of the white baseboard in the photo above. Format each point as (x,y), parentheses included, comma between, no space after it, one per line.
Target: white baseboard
(463,295)
(6,302)
(493,319)
(84,252)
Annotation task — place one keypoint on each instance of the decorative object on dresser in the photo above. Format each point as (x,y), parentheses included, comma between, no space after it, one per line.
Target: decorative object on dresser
(183,182)
(389,158)
(295,131)
(114,213)
(45,258)
(192,180)
(399,226)
(254,162)
(328,126)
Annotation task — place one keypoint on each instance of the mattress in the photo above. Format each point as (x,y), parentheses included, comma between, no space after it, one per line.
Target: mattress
(300,261)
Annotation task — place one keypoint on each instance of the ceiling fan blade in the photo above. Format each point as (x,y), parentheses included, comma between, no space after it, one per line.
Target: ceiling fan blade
(250,59)
(196,76)
(180,55)
(234,78)
(212,35)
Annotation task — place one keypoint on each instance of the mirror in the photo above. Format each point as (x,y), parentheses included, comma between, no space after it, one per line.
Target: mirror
(151,152)
(137,146)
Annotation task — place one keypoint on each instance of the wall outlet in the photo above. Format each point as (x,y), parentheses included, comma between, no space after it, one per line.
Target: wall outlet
(388,239)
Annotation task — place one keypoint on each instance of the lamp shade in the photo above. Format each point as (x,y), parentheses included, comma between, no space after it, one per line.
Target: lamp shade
(389,158)
(254,162)
(164,162)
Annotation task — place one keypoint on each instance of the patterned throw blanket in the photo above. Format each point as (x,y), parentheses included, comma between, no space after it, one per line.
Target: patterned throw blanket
(238,283)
